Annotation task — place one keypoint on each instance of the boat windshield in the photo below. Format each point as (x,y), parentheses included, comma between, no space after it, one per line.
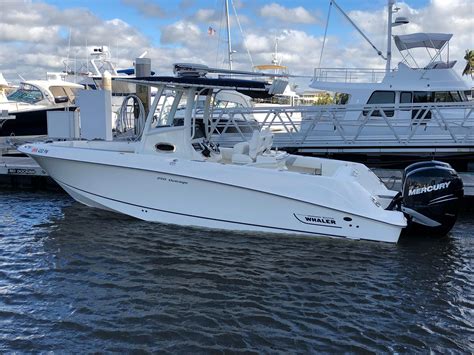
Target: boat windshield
(27,93)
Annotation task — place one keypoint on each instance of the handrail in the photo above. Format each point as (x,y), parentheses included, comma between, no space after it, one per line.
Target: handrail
(349,75)
(383,125)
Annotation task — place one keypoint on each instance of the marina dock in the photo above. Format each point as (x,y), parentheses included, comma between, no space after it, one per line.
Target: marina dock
(23,172)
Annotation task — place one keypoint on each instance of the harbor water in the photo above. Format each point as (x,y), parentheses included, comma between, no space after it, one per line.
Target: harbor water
(76,279)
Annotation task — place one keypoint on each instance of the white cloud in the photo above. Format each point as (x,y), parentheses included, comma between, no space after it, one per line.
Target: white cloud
(288,15)
(181,32)
(34,37)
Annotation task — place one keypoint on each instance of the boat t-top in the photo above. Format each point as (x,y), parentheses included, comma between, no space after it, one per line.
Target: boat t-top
(175,174)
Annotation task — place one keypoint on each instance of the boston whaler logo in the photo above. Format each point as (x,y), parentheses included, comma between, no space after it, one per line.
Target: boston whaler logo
(429,188)
(316,220)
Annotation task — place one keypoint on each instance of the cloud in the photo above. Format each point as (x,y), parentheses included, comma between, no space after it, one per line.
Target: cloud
(444,16)
(34,37)
(294,15)
(146,8)
(181,32)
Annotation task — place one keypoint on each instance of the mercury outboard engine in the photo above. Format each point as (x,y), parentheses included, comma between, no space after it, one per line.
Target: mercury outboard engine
(431,195)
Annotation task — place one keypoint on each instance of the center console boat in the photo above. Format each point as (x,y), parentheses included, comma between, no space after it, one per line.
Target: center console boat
(176,174)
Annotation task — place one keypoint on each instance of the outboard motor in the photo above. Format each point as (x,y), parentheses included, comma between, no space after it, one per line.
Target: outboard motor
(431,195)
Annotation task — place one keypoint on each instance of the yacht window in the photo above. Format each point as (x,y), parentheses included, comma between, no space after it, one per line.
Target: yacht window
(456,96)
(443,96)
(382,97)
(422,96)
(26,93)
(59,91)
(405,97)
(71,93)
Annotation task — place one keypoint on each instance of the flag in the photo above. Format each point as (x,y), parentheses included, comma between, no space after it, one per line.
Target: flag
(211,31)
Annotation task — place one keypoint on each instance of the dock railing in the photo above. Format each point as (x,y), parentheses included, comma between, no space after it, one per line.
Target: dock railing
(349,75)
(424,126)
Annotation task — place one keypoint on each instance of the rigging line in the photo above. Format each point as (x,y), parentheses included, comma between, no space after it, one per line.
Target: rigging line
(242,32)
(219,38)
(358,29)
(325,34)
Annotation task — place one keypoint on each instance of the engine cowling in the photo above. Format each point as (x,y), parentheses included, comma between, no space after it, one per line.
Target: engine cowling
(431,196)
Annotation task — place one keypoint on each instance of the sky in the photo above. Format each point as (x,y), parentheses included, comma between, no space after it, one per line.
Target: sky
(37,36)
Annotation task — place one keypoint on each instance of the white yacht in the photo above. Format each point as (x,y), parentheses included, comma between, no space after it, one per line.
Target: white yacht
(26,108)
(416,110)
(176,175)
(91,74)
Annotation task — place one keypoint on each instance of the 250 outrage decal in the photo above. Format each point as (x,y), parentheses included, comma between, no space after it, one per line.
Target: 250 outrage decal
(317,220)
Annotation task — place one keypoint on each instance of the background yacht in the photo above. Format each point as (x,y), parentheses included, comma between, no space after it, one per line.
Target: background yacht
(28,105)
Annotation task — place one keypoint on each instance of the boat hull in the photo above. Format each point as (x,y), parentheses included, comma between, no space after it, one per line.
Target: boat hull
(167,196)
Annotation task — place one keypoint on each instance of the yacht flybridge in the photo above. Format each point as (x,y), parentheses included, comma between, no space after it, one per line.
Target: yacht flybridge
(176,174)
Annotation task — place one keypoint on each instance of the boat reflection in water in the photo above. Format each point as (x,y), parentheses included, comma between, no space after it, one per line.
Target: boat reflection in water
(119,283)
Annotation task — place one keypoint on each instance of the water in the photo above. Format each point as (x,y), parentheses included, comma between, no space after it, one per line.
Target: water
(77,279)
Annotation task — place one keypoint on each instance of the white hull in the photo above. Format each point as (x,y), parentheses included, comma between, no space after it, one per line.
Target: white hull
(169,195)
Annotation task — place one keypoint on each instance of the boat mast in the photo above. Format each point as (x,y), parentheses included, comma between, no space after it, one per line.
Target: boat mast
(389,35)
(229,44)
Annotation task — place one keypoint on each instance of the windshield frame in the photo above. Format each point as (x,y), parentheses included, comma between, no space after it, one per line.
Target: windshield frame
(26,93)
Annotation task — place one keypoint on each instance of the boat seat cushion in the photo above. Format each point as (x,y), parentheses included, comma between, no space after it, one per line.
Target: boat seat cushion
(260,142)
(241,148)
(242,159)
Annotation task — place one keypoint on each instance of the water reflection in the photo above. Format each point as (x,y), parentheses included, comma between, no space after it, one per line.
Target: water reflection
(117,283)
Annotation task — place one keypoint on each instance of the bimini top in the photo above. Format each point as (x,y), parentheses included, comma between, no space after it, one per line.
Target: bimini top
(252,88)
(424,40)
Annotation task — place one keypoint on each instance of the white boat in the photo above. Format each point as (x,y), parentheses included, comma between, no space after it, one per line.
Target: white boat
(176,175)
(26,108)
(416,110)
(91,74)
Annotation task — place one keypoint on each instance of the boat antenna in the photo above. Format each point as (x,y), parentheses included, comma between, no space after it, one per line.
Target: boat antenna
(69,46)
(398,21)
(379,52)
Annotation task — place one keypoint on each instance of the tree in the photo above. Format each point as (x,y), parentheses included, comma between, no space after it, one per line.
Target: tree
(469,57)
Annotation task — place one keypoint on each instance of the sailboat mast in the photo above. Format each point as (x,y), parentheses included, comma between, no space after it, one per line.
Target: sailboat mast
(229,44)
(389,35)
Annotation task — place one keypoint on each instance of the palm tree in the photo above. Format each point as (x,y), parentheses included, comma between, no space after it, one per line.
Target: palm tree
(469,57)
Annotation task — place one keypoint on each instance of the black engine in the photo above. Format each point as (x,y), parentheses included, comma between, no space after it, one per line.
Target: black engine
(431,195)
